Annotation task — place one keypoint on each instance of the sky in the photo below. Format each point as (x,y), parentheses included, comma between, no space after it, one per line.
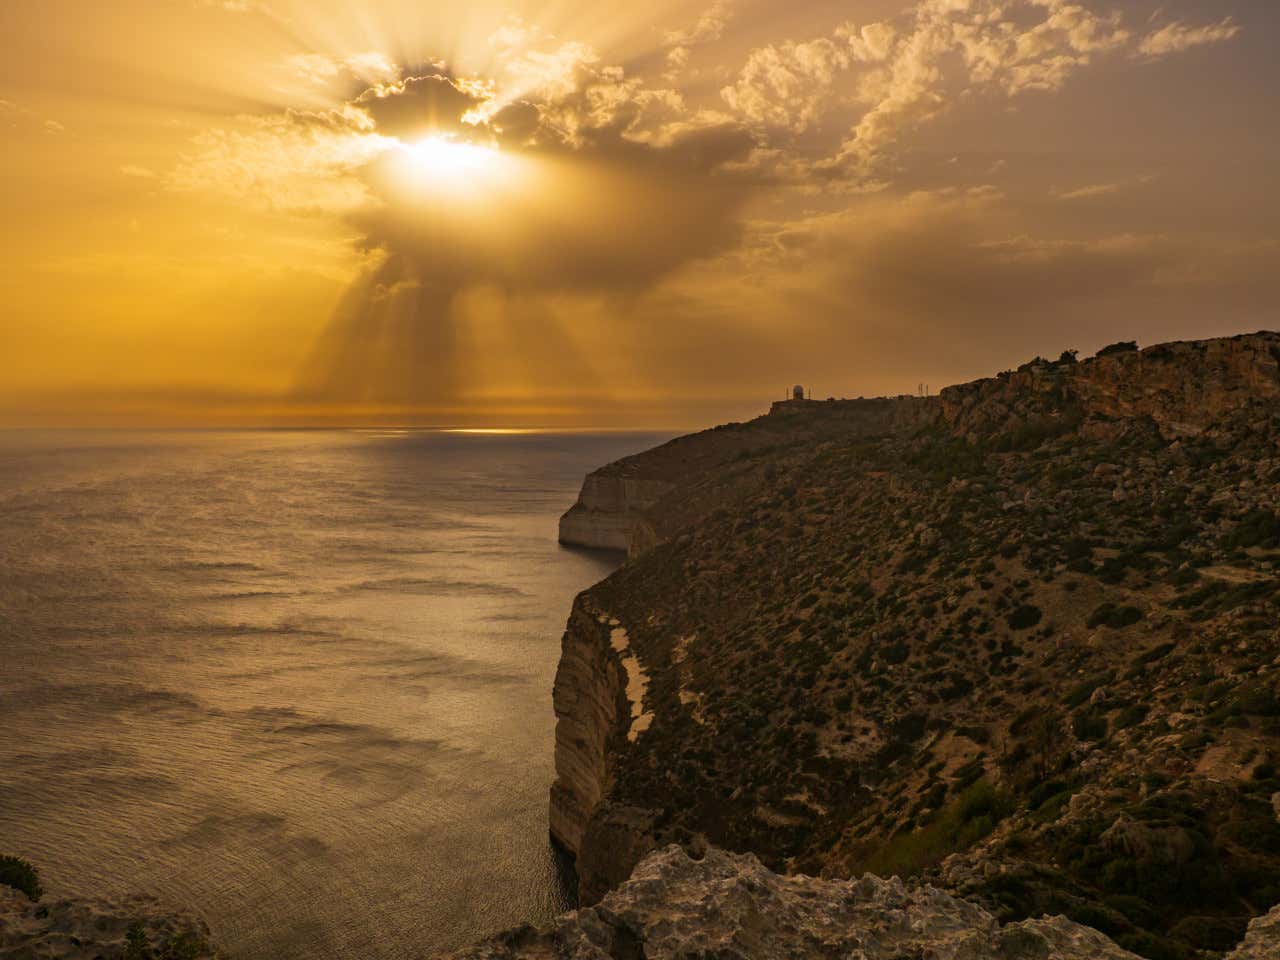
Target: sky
(573,214)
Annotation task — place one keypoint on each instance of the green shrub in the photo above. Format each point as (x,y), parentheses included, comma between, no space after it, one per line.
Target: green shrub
(1089,725)
(963,822)
(1024,617)
(1115,617)
(135,942)
(1257,528)
(21,875)
(1155,653)
(1211,933)
(1132,715)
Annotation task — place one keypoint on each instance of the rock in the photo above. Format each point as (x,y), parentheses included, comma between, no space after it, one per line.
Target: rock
(1167,845)
(1262,942)
(589,698)
(94,929)
(730,907)
(608,508)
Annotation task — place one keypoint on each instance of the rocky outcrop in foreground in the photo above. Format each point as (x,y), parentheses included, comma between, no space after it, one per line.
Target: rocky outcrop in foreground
(730,907)
(98,930)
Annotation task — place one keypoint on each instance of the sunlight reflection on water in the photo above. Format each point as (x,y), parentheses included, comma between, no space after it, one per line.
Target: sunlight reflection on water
(299,681)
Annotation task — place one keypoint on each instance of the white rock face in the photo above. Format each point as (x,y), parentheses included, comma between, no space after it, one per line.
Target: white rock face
(608,509)
(729,907)
(590,705)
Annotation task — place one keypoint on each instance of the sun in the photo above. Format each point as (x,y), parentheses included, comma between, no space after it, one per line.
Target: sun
(447,168)
(448,158)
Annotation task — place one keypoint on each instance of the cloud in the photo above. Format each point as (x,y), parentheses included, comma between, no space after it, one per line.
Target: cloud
(19,115)
(417,106)
(368,67)
(895,75)
(1090,192)
(788,85)
(141,173)
(621,186)
(708,28)
(237,6)
(627,204)
(943,280)
(1179,36)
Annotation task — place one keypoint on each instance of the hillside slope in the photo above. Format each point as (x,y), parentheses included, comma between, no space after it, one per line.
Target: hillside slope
(1020,638)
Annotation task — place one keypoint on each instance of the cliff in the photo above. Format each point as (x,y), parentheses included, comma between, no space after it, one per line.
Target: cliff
(640,501)
(1018,639)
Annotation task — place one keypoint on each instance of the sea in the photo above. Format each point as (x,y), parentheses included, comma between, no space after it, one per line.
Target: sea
(296,681)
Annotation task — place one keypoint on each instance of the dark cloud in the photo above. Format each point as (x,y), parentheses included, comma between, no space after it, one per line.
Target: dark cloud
(416,107)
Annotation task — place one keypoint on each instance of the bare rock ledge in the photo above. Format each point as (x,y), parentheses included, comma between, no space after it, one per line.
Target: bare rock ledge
(730,907)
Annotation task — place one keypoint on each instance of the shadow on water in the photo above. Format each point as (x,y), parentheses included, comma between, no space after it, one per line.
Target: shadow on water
(606,558)
(566,876)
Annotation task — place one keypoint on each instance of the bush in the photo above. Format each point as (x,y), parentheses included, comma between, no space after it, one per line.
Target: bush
(1132,715)
(21,875)
(1123,346)
(1024,617)
(1089,725)
(963,822)
(1155,653)
(1117,618)
(1257,528)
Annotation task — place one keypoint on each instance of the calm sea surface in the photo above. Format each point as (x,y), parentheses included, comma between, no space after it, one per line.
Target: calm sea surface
(298,681)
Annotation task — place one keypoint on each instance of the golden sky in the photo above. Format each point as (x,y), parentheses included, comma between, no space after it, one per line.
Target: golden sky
(238,212)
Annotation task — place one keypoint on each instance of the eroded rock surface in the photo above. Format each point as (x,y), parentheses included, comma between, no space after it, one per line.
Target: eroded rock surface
(97,929)
(729,907)
(1263,939)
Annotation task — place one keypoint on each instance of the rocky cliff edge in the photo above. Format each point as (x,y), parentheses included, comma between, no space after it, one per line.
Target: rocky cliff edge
(729,907)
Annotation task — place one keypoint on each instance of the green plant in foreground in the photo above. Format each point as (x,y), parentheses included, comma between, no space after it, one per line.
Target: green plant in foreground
(21,875)
(135,942)
(962,823)
(184,946)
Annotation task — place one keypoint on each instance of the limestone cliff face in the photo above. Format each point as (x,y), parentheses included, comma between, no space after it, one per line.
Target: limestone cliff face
(590,704)
(731,907)
(608,508)
(599,704)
